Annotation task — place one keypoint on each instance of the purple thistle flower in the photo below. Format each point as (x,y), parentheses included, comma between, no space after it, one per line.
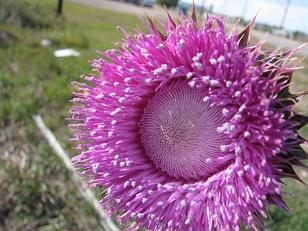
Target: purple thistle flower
(192,130)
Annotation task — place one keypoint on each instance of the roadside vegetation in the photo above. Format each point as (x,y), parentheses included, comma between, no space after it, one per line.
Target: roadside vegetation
(36,192)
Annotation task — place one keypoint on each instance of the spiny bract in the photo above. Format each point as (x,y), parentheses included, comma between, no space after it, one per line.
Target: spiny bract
(191,130)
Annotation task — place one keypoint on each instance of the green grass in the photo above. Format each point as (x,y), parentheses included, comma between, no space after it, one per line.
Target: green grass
(36,192)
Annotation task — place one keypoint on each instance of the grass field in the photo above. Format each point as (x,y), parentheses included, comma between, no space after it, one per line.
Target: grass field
(36,192)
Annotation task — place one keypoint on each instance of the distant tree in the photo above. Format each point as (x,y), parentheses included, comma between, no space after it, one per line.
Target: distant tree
(298,34)
(168,3)
(59,7)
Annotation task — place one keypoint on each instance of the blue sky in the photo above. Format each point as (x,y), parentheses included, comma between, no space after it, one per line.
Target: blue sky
(269,11)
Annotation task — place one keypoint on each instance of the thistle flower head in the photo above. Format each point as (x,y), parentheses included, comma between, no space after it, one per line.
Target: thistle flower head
(191,130)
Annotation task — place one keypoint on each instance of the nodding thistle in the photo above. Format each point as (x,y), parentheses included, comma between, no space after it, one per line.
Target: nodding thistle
(191,130)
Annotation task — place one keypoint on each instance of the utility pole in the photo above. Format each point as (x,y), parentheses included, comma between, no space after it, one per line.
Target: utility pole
(245,8)
(59,7)
(285,14)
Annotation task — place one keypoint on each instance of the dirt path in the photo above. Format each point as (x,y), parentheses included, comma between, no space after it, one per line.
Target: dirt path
(282,42)
(123,7)
(160,13)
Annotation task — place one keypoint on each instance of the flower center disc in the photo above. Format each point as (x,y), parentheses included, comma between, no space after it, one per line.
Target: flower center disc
(178,131)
